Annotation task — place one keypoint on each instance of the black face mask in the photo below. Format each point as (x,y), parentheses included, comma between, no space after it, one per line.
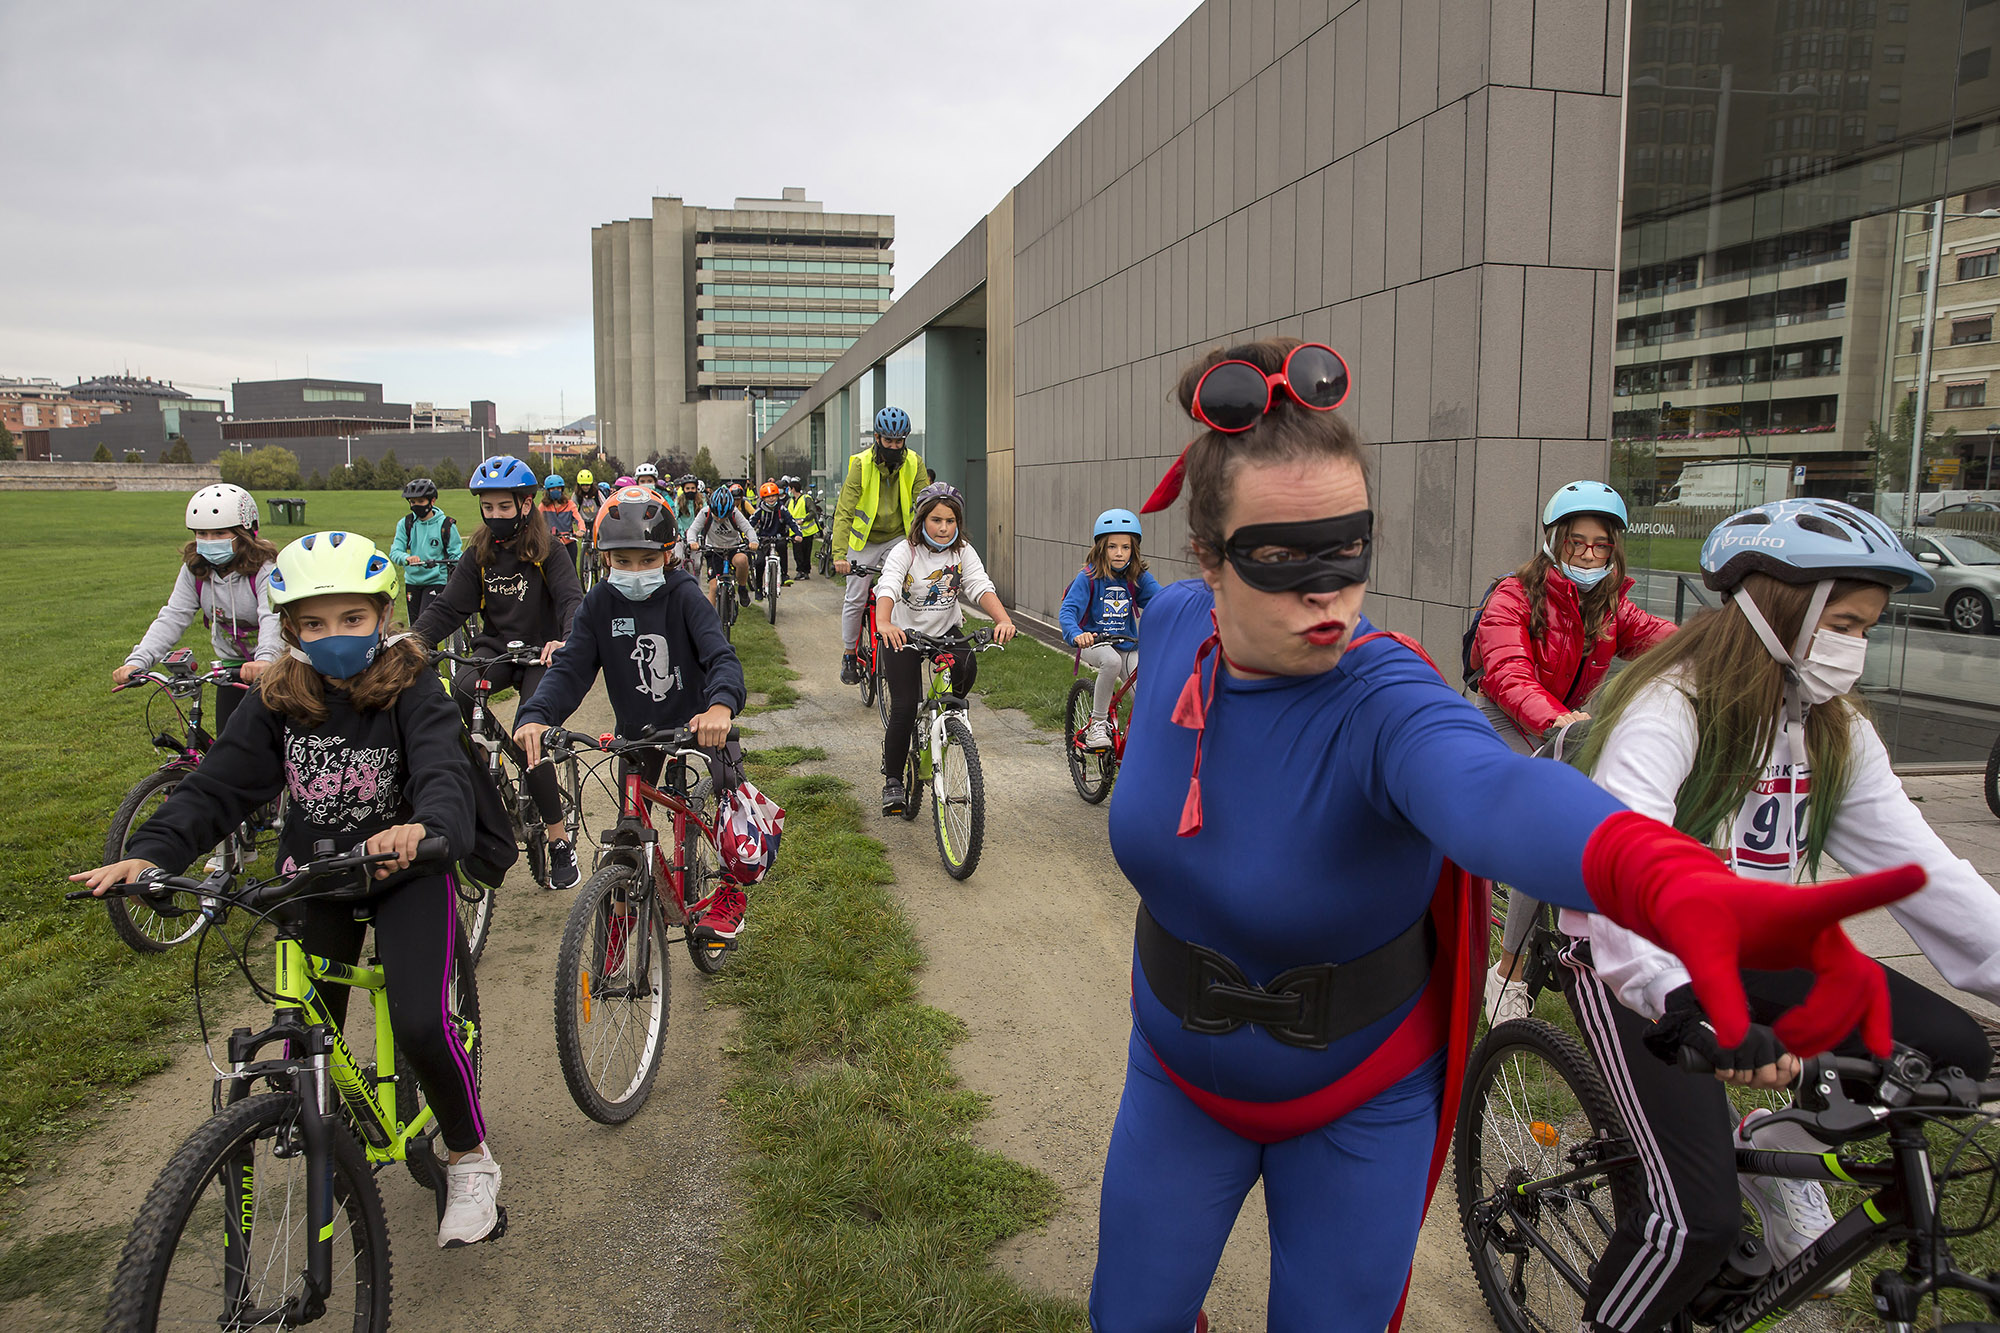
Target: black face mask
(421,511)
(504,529)
(1322,555)
(889,460)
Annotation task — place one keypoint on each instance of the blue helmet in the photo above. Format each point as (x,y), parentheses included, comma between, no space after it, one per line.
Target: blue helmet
(720,503)
(1585,497)
(604,488)
(892,423)
(555,482)
(502,472)
(1117,520)
(1805,541)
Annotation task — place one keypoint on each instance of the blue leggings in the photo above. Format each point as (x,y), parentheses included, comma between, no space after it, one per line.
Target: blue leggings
(1345,1203)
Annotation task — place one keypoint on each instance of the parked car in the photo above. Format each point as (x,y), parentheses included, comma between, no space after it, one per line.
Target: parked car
(1966,566)
(1962,507)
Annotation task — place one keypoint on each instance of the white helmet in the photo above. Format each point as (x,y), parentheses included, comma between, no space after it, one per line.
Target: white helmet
(646,472)
(214,508)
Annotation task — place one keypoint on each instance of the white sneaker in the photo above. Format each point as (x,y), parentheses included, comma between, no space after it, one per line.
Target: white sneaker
(1795,1213)
(471,1209)
(1097,736)
(1506,1000)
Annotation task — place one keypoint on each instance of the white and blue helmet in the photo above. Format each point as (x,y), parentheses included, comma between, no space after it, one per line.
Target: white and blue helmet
(1806,541)
(1585,497)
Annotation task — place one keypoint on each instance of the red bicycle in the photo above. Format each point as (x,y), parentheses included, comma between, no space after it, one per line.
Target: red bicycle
(1094,769)
(612,982)
(874,666)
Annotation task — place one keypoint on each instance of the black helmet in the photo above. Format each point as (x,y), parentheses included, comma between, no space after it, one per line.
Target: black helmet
(420,488)
(635,518)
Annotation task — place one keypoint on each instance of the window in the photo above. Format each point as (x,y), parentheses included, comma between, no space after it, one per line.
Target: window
(1965,395)
(1978,201)
(1675,125)
(1978,330)
(1923,279)
(1982,265)
(1975,65)
(1892,55)
(1885,134)
(334,396)
(1916,340)
(1899,13)
(1889,92)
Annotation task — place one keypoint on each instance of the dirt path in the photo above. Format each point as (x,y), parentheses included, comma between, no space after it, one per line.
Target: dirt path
(1046,1005)
(610,1229)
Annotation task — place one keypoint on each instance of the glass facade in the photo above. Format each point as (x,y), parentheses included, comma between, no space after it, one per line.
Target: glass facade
(772,367)
(774,340)
(869,292)
(723,315)
(791,265)
(1786,162)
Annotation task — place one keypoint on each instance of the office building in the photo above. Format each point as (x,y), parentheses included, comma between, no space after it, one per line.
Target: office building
(696,309)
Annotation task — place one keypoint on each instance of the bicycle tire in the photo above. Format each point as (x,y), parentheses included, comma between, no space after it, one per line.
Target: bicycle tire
(216,1153)
(581,995)
(702,867)
(882,687)
(145,930)
(1993,780)
(1572,1108)
(465,1007)
(771,586)
(475,919)
(913,774)
(725,596)
(1089,770)
(868,680)
(959,848)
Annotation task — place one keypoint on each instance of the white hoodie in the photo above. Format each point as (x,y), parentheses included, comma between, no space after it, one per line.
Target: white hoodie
(1954,918)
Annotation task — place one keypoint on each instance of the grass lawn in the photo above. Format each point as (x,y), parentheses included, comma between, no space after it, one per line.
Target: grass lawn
(1027,675)
(84,1013)
(1676,553)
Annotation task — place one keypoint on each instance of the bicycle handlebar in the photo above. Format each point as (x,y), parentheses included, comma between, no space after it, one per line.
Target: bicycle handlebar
(1901,1082)
(682,738)
(186,683)
(516,654)
(1114,640)
(978,641)
(256,896)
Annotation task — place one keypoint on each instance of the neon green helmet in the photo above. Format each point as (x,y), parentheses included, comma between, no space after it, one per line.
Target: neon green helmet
(331,562)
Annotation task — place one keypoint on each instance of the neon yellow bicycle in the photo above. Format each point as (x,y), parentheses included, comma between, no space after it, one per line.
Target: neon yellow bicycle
(269,1215)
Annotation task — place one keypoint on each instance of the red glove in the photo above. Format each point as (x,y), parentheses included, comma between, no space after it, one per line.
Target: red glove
(1669,888)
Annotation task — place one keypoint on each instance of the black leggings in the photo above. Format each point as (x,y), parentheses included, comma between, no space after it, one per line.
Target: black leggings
(416,937)
(802,556)
(543,789)
(419,597)
(1664,1253)
(906,680)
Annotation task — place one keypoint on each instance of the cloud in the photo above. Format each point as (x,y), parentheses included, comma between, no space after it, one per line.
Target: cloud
(215,190)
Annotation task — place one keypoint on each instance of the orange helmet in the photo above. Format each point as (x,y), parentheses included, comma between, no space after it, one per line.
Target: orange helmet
(770,490)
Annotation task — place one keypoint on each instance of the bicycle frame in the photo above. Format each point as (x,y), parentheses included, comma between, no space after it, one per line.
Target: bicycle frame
(635,824)
(936,703)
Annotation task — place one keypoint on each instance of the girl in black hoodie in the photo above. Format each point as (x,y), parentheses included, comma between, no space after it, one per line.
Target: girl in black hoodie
(351,722)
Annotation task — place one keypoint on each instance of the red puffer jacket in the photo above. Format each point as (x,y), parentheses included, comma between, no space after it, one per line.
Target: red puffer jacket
(1536,682)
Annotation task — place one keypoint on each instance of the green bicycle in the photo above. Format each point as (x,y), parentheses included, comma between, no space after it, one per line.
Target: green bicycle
(942,753)
(269,1214)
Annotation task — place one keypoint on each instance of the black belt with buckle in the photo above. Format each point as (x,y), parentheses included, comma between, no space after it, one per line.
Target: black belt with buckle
(1308,1006)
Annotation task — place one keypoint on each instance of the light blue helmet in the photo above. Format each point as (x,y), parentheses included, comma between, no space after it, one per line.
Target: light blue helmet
(502,472)
(1585,497)
(1117,520)
(1805,541)
(555,482)
(892,423)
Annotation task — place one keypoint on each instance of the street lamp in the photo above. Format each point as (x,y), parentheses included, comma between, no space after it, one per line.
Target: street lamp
(750,397)
(1929,331)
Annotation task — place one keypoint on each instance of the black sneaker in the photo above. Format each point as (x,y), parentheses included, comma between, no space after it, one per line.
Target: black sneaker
(564,873)
(893,798)
(850,669)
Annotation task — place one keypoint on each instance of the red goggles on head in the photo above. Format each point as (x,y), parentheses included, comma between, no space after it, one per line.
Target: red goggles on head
(1233,396)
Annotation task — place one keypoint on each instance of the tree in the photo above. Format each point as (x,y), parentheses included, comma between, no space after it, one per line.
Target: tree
(134,456)
(8,451)
(389,473)
(675,464)
(315,482)
(361,474)
(704,467)
(177,452)
(340,479)
(270,468)
(1892,448)
(103,455)
(447,475)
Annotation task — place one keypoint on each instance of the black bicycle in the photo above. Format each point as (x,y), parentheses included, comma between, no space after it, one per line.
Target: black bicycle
(773,579)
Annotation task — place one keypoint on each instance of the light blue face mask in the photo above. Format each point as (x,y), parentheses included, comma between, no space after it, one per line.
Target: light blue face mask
(637,584)
(937,545)
(216,552)
(1585,578)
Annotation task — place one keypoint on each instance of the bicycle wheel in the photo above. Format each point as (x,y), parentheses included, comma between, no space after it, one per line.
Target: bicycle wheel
(144,928)
(870,678)
(612,995)
(1993,780)
(475,914)
(725,595)
(1534,1107)
(1090,770)
(958,800)
(913,771)
(463,996)
(771,586)
(188,1262)
(702,873)
(882,685)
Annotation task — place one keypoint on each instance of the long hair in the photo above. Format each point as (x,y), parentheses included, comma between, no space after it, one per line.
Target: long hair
(532,543)
(252,554)
(923,512)
(1599,604)
(1738,693)
(1286,433)
(1099,563)
(293,688)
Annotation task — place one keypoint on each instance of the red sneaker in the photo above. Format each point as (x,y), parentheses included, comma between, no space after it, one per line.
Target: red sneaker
(724,916)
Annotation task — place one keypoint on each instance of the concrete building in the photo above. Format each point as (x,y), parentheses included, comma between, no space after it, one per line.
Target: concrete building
(150,417)
(37,404)
(1964,396)
(694,309)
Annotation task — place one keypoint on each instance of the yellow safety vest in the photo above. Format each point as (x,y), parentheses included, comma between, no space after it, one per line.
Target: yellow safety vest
(871,494)
(801,508)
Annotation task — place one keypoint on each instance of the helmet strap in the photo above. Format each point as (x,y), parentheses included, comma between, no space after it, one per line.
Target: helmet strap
(1794,701)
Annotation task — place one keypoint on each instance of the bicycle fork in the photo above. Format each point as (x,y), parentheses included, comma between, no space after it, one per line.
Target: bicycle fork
(314,1138)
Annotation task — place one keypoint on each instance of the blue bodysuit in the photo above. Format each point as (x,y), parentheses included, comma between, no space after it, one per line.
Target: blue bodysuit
(1328,806)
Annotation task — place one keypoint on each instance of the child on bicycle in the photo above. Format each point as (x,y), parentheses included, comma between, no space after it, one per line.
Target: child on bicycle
(775,525)
(726,541)
(524,590)
(425,547)
(561,514)
(1545,637)
(225,579)
(924,582)
(1743,730)
(666,662)
(1103,603)
(352,724)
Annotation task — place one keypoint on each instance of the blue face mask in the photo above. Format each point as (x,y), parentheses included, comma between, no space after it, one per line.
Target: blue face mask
(342,656)
(937,545)
(1585,578)
(637,584)
(216,552)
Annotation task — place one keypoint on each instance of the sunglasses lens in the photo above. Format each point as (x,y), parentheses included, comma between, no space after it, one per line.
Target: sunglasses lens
(1318,376)
(1233,396)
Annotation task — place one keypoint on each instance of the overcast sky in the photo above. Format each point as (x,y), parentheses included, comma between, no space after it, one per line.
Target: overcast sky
(404,192)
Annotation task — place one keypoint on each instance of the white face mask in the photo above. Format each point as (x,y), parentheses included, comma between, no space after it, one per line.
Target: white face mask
(1833,667)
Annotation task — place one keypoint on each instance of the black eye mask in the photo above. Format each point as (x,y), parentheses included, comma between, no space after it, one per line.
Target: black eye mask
(1315,565)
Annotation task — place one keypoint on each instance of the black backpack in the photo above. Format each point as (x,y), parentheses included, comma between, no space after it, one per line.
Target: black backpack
(493,851)
(407,529)
(1466,673)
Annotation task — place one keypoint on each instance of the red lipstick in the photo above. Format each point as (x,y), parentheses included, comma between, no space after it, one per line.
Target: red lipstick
(1326,633)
